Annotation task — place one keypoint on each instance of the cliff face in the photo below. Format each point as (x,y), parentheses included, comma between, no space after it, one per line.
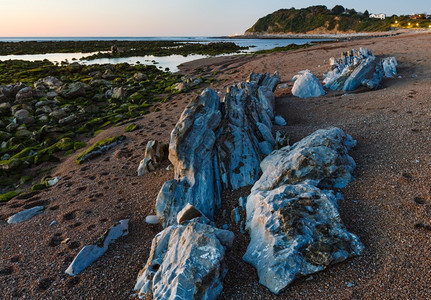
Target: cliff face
(317,19)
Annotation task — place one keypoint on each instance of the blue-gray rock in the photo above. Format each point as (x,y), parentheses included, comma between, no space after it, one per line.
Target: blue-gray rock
(320,159)
(192,153)
(295,230)
(185,262)
(356,68)
(307,85)
(155,152)
(73,90)
(90,253)
(25,215)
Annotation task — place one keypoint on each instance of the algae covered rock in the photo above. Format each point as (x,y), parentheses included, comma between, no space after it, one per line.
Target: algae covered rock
(73,90)
(186,262)
(99,148)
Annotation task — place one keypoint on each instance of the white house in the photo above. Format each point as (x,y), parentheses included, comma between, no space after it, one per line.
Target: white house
(378,16)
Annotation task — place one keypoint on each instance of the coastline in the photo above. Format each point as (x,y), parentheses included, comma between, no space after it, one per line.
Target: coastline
(385,206)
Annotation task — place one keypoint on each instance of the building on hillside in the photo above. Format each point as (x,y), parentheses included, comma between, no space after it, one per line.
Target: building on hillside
(378,16)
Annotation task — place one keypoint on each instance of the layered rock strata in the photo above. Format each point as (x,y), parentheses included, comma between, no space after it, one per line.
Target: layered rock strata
(295,227)
(215,145)
(356,68)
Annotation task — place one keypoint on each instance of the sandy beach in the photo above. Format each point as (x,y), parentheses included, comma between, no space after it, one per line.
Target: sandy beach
(388,205)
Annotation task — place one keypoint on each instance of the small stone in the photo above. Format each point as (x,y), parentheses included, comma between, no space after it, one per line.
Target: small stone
(152,219)
(53,223)
(279,120)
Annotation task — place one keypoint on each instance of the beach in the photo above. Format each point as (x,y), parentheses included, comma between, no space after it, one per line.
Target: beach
(388,205)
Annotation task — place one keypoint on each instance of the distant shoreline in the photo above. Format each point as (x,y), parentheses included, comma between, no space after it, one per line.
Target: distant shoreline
(336,36)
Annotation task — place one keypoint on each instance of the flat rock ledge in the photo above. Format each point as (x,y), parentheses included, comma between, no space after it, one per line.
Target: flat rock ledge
(295,227)
(91,253)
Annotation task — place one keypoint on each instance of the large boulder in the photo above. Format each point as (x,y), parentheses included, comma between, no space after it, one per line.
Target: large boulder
(307,85)
(185,262)
(320,159)
(49,82)
(24,95)
(295,230)
(23,116)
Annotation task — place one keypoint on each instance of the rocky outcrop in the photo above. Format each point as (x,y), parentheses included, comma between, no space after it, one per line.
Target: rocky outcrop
(356,68)
(186,262)
(90,253)
(307,85)
(295,230)
(218,144)
(295,227)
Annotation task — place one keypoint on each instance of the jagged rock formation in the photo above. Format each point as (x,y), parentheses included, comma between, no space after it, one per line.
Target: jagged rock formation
(294,226)
(90,253)
(214,145)
(186,262)
(390,67)
(307,85)
(356,68)
(218,144)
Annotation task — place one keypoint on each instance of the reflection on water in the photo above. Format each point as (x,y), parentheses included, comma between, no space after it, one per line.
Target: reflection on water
(162,62)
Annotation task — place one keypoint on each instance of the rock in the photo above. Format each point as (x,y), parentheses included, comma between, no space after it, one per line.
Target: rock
(52,181)
(153,219)
(5,109)
(22,133)
(24,95)
(281,140)
(25,215)
(58,114)
(51,95)
(100,82)
(191,269)
(146,166)
(23,116)
(307,85)
(68,120)
(191,151)
(73,90)
(280,121)
(140,76)
(155,152)
(189,212)
(181,87)
(353,69)
(90,253)
(295,230)
(119,93)
(320,159)
(49,82)
(390,67)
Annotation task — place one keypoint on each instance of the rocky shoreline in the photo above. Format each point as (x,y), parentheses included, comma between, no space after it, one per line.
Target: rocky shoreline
(387,205)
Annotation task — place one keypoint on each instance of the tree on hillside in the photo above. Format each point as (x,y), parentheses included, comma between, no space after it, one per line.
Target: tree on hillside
(338,10)
(366,14)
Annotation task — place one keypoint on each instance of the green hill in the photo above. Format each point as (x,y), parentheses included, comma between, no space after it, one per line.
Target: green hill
(319,19)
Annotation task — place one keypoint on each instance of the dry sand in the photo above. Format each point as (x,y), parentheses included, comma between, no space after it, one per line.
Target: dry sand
(388,205)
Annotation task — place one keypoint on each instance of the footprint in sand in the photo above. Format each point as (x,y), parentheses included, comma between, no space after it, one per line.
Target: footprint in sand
(45,283)
(70,215)
(6,270)
(55,240)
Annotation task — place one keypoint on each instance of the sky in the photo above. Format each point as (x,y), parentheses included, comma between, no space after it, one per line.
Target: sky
(80,18)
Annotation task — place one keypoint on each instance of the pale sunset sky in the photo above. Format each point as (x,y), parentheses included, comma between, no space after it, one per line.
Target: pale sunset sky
(80,18)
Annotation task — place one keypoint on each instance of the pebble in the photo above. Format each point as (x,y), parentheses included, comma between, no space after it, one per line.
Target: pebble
(152,219)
